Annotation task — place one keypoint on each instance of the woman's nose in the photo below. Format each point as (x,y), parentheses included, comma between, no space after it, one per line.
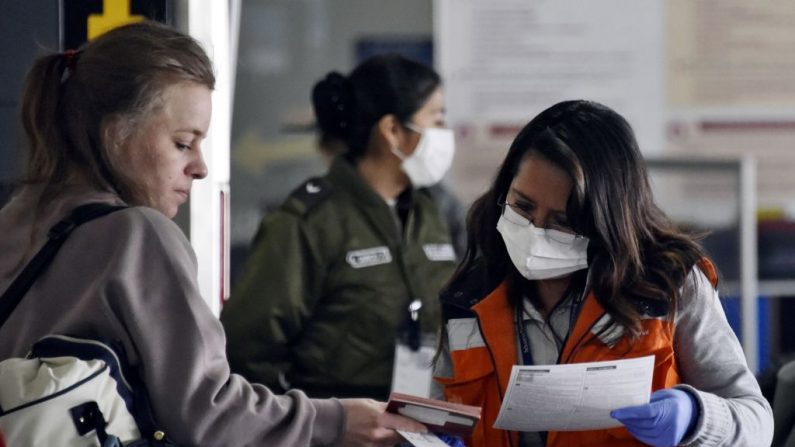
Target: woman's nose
(198,168)
(538,219)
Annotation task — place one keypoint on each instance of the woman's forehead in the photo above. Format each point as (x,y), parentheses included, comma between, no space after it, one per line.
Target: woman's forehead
(543,182)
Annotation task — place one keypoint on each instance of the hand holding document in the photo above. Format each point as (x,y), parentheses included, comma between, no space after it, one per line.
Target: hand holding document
(437,415)
(576,396)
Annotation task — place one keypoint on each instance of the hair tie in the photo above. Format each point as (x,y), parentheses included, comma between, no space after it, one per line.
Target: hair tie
(70,59)
(333,100)
(69,63)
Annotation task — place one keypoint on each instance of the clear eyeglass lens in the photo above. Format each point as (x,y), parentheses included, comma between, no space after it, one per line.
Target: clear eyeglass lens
(561,235)
(515,215)
(518,216)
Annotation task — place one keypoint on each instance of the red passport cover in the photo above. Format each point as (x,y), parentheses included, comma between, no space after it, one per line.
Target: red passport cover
(437,415)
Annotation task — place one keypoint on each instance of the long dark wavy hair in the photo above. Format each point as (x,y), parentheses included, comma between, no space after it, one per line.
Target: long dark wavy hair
(635,253)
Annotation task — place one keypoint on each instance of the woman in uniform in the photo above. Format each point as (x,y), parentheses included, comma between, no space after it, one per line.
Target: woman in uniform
(353,260)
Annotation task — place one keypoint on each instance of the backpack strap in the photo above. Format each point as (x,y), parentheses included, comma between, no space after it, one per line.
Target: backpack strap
(55,239)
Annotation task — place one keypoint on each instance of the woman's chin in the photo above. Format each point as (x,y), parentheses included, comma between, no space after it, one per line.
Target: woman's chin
(169,211)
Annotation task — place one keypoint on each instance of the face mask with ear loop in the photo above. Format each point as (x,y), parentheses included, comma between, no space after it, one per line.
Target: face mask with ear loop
(539,253)
(432,157)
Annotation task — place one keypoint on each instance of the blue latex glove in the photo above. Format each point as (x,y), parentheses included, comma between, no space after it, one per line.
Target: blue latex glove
(664,421)
(452,441)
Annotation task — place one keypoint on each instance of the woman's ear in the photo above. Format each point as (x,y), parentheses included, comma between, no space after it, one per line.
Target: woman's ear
(389,130)
(114,132)
(110,131)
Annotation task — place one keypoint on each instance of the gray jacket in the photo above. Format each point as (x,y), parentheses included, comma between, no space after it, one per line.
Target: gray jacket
(784,407)
(131,276)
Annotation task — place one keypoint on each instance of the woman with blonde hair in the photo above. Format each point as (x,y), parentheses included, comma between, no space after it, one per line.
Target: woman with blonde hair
(121,122)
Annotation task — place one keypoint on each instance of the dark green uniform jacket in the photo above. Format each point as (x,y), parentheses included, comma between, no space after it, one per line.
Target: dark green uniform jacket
(326,289)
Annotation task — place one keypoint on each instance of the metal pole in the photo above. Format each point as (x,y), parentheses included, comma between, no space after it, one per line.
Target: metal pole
(749,281)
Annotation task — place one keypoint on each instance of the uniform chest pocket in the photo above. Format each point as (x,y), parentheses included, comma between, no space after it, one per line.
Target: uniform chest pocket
(439,252)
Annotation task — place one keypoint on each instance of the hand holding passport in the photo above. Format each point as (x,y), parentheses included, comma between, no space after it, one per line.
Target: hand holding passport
(437,415)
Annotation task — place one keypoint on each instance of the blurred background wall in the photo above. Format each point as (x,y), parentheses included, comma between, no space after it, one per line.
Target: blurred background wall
(285,47)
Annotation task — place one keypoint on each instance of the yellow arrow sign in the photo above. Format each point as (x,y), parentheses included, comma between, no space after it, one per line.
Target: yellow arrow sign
(115,13)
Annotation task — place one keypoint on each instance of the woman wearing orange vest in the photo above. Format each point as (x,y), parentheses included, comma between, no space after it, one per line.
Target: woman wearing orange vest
(571,261)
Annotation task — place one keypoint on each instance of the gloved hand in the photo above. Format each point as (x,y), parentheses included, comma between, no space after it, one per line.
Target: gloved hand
(452,441)
(664,421)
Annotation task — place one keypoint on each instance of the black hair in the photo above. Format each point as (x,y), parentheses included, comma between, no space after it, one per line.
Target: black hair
(347,108)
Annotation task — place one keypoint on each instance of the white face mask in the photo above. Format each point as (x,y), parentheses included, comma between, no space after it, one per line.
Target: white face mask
(432,157)
(539,253)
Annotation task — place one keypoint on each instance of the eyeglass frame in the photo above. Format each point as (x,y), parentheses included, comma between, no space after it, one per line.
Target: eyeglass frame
(524,215)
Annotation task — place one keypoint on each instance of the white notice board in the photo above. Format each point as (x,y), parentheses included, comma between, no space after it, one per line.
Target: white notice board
(504,61)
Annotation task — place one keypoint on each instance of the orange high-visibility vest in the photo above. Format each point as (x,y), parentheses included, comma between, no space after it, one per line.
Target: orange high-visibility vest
(481,373)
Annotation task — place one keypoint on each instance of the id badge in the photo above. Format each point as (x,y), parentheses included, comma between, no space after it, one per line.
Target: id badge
(413,370)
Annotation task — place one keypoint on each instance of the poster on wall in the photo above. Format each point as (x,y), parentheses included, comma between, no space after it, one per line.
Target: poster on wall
(730,73)
(505,61)
(707,79)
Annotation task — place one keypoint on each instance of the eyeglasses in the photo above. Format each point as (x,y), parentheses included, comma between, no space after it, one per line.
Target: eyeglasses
(519,215)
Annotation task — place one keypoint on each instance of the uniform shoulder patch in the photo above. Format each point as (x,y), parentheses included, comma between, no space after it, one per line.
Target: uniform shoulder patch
(308,195)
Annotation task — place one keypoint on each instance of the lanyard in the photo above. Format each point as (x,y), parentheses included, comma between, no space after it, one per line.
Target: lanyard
(521,332)
(524,341)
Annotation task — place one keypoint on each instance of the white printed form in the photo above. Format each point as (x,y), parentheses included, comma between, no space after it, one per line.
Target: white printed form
(572,397)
